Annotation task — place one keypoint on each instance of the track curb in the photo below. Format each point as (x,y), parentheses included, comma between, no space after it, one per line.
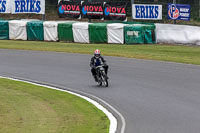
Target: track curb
(117,123)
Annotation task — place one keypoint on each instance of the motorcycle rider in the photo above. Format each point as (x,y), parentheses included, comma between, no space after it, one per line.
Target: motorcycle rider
(97,60)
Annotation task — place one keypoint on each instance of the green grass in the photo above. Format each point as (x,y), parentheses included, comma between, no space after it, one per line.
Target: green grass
(182,54)
(26,108)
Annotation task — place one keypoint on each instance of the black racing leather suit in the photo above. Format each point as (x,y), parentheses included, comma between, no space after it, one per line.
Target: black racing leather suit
(96,62)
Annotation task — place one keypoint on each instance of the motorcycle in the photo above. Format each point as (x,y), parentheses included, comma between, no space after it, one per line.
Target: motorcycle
(102,77)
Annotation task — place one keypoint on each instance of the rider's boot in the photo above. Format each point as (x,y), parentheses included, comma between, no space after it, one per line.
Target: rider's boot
(107,76)
(95,78)
(106,71)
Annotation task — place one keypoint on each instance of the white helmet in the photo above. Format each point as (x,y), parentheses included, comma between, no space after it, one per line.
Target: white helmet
(97,53)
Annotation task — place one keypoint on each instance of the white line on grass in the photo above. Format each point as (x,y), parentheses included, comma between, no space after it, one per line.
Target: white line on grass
(113,120)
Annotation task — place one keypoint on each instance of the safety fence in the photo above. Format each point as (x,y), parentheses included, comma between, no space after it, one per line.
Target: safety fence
(84,32)
(80,32)
(177,34)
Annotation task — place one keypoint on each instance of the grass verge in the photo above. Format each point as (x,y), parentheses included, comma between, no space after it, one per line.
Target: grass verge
(26,108)
(182,54)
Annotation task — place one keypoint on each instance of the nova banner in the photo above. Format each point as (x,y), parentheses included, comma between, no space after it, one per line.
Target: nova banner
(92,10)
(147,12)
(4,6)
(115,11)
(179,12)
(27,6)
(69,9)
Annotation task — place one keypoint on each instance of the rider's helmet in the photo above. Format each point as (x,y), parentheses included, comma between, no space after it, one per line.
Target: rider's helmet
(97,53)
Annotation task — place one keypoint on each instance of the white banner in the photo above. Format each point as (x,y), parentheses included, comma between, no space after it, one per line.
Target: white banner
(148,12)
(4,6)
(28,6)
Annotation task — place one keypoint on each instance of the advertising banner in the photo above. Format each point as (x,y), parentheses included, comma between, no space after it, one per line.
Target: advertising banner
(27,6)
(69,9)
(4,6)
(147,12)
(179,12)
(92,10)
(115,11)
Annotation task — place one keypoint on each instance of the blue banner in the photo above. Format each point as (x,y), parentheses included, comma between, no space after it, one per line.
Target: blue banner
(28,6)
(4,6)
(179,12)
(147,12)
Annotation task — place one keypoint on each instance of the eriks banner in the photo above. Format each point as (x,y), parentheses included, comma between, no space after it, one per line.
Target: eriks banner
(179,12)
(147,12)
(69,9)
(28,6)
(4,6)
(115,11)
(92,10)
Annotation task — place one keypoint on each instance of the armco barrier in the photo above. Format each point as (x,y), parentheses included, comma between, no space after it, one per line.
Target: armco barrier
(98,33)
(50,30)
(134,34)
(4,30)
(17,29)
(177,34)
(65,32)
(82,32)
(115,33)
(35,31)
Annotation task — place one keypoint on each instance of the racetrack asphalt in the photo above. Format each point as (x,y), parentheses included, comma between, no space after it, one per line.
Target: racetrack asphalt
(153,96)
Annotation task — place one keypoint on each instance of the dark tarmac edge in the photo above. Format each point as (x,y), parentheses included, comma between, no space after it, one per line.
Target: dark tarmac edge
(120,119)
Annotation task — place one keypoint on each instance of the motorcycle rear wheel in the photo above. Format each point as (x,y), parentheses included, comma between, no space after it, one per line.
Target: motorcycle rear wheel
(100,83)
(106,83)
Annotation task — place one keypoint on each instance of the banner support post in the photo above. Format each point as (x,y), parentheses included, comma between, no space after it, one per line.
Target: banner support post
(132,2)
(199,8)
(43,17)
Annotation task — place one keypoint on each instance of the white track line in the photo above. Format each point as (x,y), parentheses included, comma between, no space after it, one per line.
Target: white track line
(113,120)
